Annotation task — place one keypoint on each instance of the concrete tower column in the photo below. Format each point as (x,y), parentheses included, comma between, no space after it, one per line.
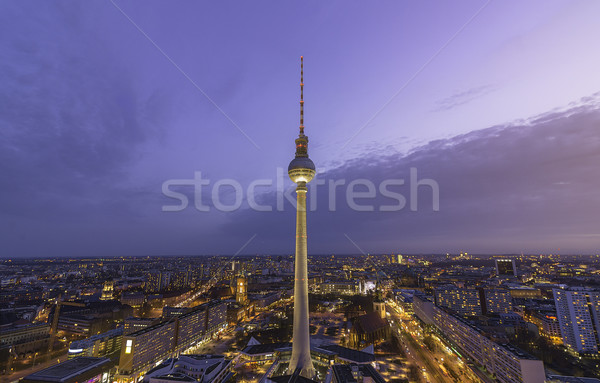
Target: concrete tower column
(301,337)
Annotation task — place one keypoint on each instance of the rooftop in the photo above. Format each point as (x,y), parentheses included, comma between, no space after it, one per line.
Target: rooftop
(88,342)
(265,348)
(349,354)
(71,368)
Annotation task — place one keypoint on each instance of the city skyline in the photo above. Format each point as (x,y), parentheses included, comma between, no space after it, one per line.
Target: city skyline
(103,104)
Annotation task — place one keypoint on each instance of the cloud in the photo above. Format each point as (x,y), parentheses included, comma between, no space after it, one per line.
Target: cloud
(71,119)
(463,97)
(530,186)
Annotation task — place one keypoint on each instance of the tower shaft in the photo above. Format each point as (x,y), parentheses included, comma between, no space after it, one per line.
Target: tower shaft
(301,338)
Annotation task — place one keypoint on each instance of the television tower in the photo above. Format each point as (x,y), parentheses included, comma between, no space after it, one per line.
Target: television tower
(301,170)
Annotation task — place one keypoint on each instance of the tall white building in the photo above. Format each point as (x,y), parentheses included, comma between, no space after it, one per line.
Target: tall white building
(578,311)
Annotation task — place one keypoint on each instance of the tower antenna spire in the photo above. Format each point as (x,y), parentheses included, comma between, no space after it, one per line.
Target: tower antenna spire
(301,95)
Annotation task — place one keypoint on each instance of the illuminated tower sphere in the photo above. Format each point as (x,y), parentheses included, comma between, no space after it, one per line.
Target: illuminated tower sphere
(301,170)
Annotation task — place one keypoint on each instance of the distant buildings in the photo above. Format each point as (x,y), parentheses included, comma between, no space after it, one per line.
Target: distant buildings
(341,287)
(578,311)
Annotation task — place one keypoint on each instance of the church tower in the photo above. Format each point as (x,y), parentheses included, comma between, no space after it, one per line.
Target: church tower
(379,302)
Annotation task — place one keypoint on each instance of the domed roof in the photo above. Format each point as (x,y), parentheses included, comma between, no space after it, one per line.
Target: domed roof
(301,163)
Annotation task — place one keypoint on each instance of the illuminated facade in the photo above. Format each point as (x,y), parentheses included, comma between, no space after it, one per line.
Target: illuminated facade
(496,301)
(508,364)
(107,291)
(578,311)
(241,293)
(142,349)
(98,345)
(301,170)
(465,302)
(340,287)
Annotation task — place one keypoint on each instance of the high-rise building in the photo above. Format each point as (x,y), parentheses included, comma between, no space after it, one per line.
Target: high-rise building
(423,307)
(301,170)
(465,302)
(505,267)
(496,301)
(578,311)
(157,281)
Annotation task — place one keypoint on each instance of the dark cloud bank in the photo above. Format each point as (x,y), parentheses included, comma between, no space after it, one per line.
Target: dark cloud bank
(530,187)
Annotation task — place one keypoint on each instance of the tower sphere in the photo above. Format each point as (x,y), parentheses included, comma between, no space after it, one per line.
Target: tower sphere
(301,169)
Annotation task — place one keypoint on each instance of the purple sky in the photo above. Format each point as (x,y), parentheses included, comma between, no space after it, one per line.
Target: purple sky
(101,103)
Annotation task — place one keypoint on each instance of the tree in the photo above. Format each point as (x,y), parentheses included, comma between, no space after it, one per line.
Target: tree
(429,343)
(414,374)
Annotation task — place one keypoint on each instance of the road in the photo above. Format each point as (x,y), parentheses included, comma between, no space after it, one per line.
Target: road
(430,363)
